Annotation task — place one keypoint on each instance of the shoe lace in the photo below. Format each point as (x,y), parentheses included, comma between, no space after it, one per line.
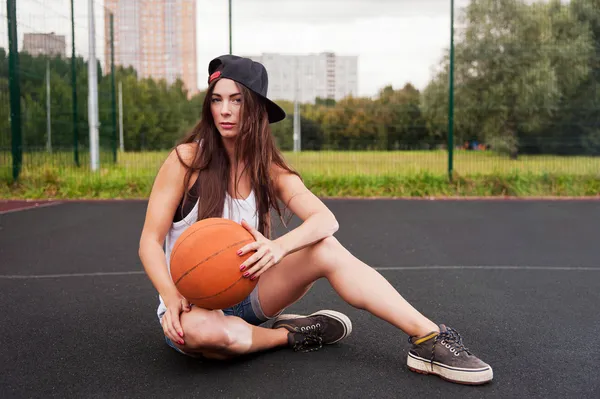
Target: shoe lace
(310,341)
(452,339)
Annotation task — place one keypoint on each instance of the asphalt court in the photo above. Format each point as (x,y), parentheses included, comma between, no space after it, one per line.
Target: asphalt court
(520,280)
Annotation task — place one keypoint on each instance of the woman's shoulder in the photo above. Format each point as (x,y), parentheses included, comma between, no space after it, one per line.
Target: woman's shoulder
(184,153)
(187,149)
(277,171)
(176,167)
(284,178)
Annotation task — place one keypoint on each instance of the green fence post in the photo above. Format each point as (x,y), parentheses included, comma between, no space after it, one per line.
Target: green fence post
(451,97)
(113,89)
(74,89)
(15,89)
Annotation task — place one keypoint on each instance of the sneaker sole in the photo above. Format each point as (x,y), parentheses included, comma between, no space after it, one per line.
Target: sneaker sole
(449,373)
(342,318)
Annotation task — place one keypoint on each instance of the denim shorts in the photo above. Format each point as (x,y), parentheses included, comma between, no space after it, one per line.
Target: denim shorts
(248,310)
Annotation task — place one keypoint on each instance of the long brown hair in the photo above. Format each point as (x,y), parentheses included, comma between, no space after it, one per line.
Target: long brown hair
(254,145)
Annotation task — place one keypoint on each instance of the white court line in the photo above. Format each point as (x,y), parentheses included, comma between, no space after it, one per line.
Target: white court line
(390,268)
(98,274)
(26,208)
(561,268)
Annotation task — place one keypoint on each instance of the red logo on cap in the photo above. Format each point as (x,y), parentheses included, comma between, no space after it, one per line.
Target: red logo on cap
(214,76)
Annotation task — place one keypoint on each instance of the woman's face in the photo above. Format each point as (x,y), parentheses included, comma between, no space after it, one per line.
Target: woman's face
(225,106)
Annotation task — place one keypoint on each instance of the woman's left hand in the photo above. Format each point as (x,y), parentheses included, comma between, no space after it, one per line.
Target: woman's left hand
(268,253)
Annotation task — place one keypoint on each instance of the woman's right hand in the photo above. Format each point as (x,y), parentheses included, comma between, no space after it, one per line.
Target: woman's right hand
(171,325)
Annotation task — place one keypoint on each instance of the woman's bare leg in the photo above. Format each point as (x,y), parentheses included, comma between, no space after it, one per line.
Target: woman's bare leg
(216,336)
(432,351)
(358,284)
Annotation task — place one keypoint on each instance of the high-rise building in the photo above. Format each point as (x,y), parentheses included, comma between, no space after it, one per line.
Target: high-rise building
(306,77)
(44,44)
(156,37)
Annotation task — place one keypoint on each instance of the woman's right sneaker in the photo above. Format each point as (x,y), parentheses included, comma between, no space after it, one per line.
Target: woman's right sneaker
(444,354)
(310,333)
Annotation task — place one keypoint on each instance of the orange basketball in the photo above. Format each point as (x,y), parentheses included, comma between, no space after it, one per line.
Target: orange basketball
(205,266)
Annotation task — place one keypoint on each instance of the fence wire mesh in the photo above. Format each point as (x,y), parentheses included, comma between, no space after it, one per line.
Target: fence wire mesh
(525,96)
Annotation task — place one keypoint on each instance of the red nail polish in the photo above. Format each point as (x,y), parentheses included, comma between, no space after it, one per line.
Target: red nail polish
(239,252)
(253,277)
(242,268)
(246,274)
(181,342)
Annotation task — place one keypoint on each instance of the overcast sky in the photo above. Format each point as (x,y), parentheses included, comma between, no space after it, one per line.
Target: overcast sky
(396,41)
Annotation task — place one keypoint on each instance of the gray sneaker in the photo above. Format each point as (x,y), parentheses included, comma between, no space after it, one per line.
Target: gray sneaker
(309,333)
(445,355)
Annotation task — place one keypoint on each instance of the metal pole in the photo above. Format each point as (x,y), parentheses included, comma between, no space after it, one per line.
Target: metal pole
(74,88)
(48,110)
(296,126)
(451,97)
(112,83)
(230,45)
(93,90)
(297,133)
(14,87)
(121,145)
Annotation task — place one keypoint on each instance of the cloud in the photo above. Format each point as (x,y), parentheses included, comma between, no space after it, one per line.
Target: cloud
(397,41)
(324,11)
(34,16)
(393,47)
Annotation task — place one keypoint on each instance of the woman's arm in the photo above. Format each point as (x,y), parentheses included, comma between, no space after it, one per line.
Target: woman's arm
(166,194)
(318,221)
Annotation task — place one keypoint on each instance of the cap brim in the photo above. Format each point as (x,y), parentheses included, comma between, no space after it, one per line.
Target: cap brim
(275,112)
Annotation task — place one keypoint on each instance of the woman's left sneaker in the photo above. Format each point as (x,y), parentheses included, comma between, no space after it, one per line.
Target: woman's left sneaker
(445,355)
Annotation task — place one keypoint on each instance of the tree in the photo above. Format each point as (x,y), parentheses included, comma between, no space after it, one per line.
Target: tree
(575,127)
(400,118)
(514,64)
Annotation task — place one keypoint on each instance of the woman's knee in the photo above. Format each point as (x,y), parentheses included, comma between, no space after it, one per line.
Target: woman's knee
(326,253)
(205,330)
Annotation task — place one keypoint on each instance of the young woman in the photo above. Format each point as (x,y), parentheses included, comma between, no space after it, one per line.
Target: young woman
(229,167)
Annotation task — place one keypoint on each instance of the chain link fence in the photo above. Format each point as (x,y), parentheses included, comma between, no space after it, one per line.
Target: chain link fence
(523,96)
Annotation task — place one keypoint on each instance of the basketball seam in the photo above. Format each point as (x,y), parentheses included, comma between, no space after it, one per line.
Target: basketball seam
(178,244)
(217,293)
(209,257)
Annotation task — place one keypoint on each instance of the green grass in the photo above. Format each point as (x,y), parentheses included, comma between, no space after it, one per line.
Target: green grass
(328,174)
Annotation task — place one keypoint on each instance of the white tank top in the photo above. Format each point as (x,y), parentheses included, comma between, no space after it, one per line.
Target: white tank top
(233,209)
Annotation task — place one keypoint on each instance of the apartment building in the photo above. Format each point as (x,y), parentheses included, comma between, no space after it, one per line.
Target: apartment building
(44,44)
(156,37)
(306,77)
